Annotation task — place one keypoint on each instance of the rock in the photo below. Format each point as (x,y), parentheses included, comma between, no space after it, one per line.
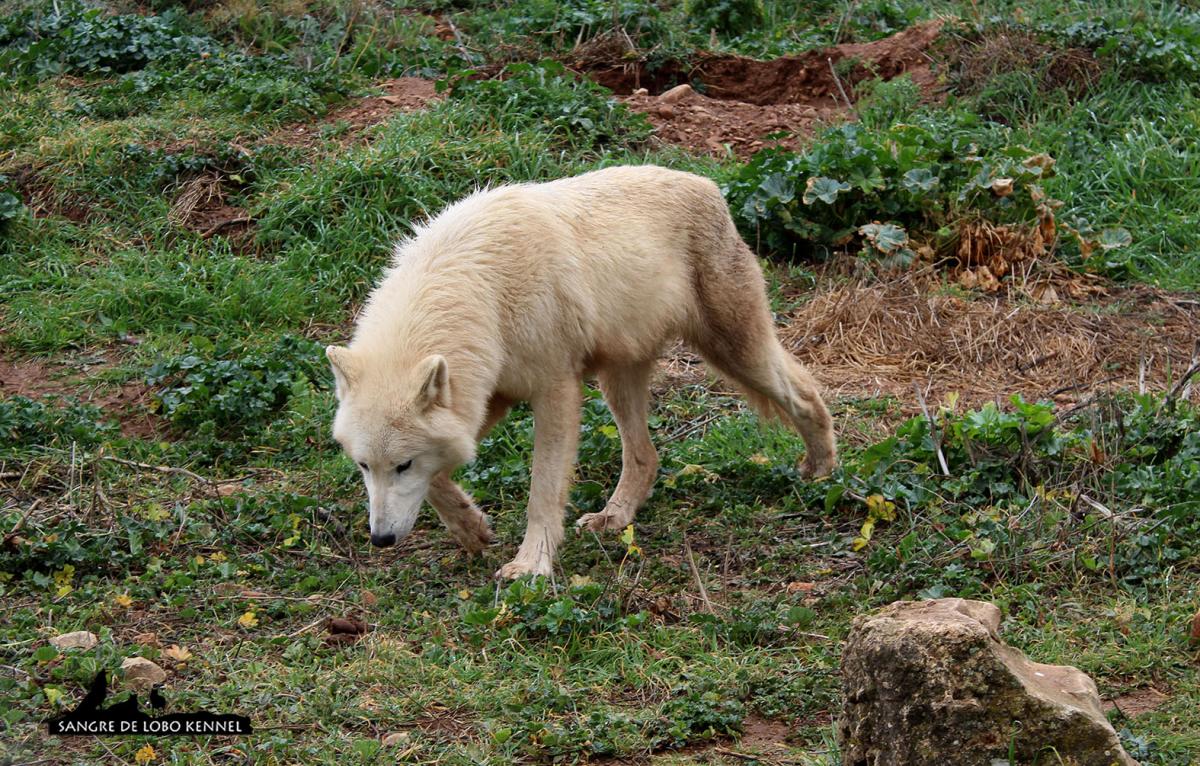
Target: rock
(676,94)
(930,683)
(141,673)
(641,92)
(665,111)
(80,639)
(394,738)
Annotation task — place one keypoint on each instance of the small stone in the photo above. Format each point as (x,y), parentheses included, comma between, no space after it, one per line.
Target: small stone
(665,110)
(141,673)
(676,94)
(641,92)
(394,738)
(80,639)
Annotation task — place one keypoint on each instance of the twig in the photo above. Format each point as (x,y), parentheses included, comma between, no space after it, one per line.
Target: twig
(696,573)
(307,627)
(458,40)
(1183,385)
(933,433)
(838,81)
(162,469)
(211,230)
(20,522)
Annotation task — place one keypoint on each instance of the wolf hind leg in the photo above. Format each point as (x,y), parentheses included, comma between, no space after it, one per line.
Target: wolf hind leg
(627,392)
(737,338)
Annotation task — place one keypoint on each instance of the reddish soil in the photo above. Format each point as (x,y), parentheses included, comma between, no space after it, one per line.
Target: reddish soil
(128,404)
(738,101)
(404,94)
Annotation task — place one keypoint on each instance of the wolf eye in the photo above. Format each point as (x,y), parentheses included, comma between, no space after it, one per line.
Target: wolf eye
(403,466)
(363,466)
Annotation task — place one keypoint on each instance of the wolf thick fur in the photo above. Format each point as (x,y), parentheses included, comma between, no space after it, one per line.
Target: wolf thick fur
(520,292)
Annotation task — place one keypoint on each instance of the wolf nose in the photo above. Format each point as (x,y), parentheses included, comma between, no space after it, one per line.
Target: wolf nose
(382,541)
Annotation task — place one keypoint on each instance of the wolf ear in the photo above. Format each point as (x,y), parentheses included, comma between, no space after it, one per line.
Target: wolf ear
(342,361)
(435,388)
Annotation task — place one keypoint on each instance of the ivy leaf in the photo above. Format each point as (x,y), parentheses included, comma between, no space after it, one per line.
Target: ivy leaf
(824,189)
(919,180)
(887,238)
(1111,239)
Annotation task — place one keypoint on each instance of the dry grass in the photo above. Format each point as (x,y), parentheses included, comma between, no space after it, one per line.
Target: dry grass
(886,337)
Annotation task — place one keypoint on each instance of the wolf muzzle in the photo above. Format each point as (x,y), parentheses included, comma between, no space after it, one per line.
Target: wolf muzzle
(383,541)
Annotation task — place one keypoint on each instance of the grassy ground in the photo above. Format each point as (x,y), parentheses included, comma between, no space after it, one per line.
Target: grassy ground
(166,256)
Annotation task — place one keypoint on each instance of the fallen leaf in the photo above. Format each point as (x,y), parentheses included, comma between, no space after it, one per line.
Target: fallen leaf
(177,653)
(145,755)
(123,600)
(800,587)
(368,599)
(248,620)
(146,639)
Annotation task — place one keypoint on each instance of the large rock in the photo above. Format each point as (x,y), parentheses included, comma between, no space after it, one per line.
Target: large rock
(931,683)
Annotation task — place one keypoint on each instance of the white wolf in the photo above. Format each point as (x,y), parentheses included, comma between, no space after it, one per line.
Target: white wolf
(520,292)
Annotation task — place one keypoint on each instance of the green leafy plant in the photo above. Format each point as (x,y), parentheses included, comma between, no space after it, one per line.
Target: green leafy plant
(237,393)
(530,610)
(10,203)
(77,39)
(547,96)
(26,422)
(728,18)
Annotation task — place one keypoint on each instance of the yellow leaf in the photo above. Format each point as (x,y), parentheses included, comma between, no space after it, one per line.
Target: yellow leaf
(199,560)
(248,620)
(177,653)
(123,600)
(464,594)
(578,580)
(145,755)
(627,535)
(62,591)
(53,696)
(859,543)
(760,459)
(218,556)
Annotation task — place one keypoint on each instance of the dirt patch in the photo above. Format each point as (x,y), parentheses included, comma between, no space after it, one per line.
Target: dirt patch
(349,121)
(763,735)
(1137,702)
(128,404)
(866,339)
(739,101)
(43,201)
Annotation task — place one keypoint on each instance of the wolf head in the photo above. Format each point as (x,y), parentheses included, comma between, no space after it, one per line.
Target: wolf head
(398,427)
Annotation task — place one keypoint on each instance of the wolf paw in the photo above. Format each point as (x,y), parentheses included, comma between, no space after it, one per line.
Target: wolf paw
(475,536)
(816,467)
(518,567)
(598,522)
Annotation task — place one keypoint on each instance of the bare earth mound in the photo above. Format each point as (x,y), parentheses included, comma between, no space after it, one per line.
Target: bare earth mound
(744,100)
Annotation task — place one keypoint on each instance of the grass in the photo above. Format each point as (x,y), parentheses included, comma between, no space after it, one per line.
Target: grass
(241,560)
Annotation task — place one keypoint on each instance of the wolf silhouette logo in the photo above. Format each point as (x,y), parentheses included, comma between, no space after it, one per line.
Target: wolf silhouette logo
(89,718)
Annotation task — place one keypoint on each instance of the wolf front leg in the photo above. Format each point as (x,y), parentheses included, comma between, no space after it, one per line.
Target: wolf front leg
(556,413)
